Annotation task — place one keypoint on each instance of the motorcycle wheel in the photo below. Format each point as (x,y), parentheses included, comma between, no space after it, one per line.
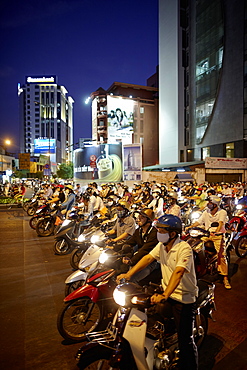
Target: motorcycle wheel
(26,205)
(241,247)
(69,288)
(31,211)
(202,331)
(61,247)
(99,359)
(72,320)
(33,222)
(45,227)
(75,258)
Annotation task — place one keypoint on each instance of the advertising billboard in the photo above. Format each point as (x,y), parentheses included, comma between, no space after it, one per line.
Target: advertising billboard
(44,146)
(132,155)
(120,119)
(102,162)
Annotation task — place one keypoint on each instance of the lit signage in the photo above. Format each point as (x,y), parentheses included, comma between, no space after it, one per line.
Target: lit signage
(44,79)
(44,146)
(101,162)
(132,160)
(120,119)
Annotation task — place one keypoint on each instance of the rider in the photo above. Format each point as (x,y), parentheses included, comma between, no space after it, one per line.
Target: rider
(215,214)
(157,203)
(178,282)
(125,224)
(173,208)
(145,237)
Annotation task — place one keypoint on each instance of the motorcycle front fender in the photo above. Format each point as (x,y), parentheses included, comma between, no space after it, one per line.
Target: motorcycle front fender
(76,276)
(84,291)
(90,256)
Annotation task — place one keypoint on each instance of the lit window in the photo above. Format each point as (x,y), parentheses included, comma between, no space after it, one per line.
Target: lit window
(230,150)
(205,152)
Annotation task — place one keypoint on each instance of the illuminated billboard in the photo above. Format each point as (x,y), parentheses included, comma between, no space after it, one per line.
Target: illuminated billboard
(101,162)
(132,158)
(120,119)
(44,146)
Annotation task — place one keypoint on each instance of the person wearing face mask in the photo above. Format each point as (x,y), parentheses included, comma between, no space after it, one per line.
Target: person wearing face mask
(157,203)
(145,239)
(125,224)
(173,208)
(178,282)
(218,216)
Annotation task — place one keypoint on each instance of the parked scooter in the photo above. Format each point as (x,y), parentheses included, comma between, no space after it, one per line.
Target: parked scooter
(127,343)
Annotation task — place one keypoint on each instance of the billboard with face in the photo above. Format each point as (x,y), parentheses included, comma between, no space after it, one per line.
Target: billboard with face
(120,119)
(102,162)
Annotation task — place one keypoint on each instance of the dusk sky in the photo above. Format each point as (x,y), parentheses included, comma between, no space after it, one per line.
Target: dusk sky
(87,43)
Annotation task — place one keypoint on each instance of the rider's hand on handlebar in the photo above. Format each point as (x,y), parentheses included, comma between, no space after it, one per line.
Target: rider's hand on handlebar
(122,276)
(157,298)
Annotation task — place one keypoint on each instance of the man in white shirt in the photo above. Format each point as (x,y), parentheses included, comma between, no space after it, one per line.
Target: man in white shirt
(216,215)
(178,282)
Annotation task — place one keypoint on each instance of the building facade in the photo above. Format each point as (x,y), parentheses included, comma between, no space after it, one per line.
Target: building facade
(46,119)
(129,114)
(202,80)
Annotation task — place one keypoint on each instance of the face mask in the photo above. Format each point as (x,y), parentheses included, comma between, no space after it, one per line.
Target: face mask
(120,214)
(211,206)
(155,195)
(163,238)
(110,204)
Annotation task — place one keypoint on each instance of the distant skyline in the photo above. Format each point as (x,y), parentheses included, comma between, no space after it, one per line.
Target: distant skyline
(87,44)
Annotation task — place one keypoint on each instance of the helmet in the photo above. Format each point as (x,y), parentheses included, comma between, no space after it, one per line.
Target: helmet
(124,204)
(172,194)
(170,223)
(212,191)
(146,212)
(214,199)
(156,190)
(69,187)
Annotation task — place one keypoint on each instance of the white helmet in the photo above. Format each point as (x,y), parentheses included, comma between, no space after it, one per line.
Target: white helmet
(173,194)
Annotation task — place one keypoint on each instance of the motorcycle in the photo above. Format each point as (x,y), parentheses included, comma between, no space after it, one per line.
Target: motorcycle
(239,242)
(32,207)
(43,210)
(88,305)
(46,225)
(96,230)
(69,231)
(87,264)
(127,342)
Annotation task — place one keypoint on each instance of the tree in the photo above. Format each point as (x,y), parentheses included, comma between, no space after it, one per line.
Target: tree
(65,171)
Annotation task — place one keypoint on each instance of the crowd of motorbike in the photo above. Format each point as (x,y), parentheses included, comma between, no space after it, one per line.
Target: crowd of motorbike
(113,317)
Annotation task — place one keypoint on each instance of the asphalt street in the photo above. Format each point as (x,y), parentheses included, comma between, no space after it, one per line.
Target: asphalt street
(32,291)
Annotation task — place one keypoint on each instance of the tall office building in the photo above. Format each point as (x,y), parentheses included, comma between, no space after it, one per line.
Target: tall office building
(202,79)
(46,119)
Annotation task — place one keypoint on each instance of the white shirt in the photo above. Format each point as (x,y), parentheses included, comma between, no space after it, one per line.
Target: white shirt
(207,218)
(157,205)
(180,255)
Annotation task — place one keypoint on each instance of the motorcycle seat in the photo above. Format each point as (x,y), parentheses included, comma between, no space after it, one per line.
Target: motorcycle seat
(203,291)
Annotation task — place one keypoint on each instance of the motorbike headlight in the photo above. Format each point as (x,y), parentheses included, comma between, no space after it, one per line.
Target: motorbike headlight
(119,297)
(103,257)
(239,206)
(94,239)
(195,215)
(81,238)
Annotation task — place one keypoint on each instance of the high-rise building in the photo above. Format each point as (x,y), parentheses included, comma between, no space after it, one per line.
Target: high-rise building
(202,80)
(127,113)
(46,119)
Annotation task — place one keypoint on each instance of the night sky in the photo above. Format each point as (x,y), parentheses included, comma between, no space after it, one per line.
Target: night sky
(87,43)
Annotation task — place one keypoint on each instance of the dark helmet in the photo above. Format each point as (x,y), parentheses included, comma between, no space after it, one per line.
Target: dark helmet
(170,223)
(146,212)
